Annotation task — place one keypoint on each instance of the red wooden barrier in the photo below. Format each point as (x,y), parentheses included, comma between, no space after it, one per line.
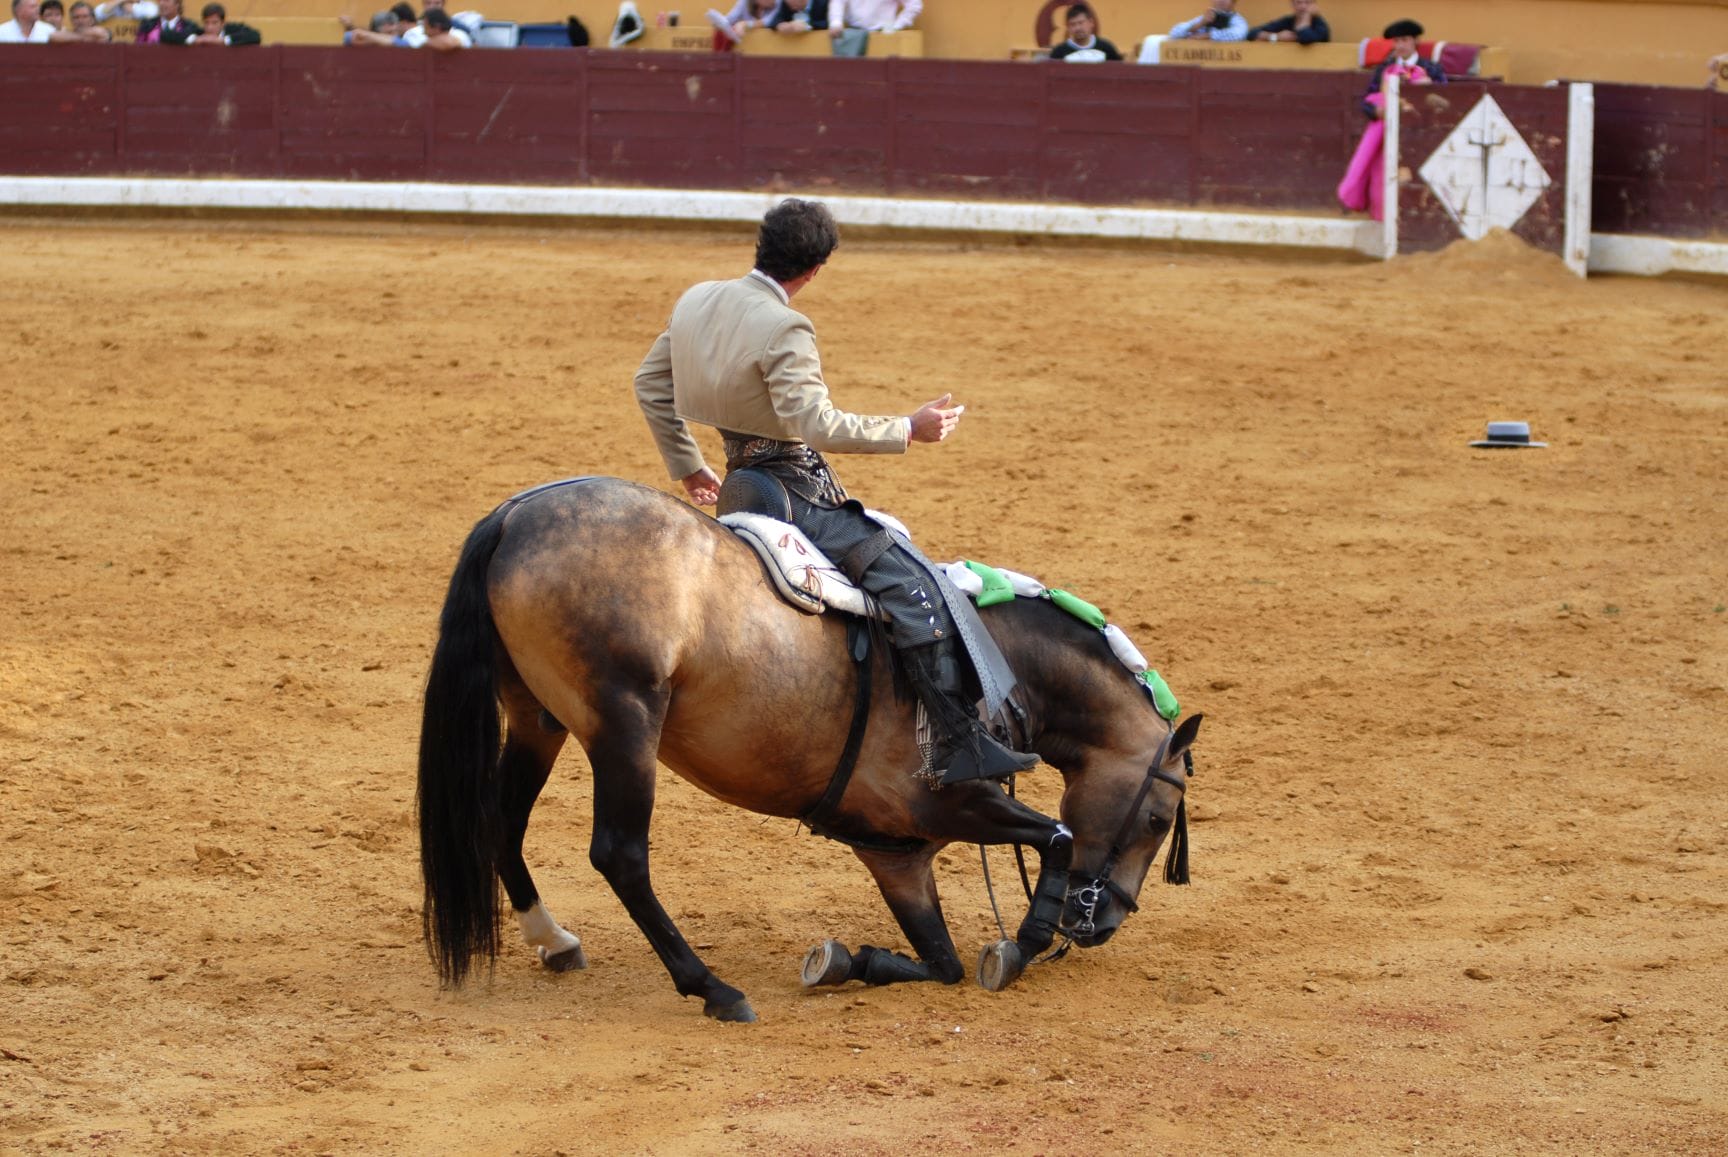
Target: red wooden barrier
(1115,134)
(1106,134)
(1661,161)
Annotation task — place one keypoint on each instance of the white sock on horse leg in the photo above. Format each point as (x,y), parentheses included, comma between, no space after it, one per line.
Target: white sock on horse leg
(542,932)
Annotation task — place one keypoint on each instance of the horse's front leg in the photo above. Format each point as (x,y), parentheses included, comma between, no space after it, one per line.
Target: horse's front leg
(909,887)
(985,814)
(622,757)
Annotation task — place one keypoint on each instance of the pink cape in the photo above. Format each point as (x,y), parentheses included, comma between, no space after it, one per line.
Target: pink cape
(1362,187)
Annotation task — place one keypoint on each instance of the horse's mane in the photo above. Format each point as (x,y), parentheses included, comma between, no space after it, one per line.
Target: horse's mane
(1066,669)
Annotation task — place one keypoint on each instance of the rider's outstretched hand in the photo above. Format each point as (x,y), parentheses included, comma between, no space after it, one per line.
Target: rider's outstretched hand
(935,420)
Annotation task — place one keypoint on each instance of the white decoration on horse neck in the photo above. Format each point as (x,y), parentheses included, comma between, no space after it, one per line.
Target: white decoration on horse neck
(967,582)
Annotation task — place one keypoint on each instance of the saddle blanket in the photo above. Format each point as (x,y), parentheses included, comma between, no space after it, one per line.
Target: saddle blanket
(804,576)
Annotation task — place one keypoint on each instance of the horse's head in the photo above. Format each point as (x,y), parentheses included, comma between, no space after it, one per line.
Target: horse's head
(1124,766)
(1120,805)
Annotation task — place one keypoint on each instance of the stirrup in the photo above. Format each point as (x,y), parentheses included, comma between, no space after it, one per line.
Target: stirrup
(984,757)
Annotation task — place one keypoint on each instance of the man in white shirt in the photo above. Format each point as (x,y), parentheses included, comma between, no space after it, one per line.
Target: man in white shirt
(24,28)
(876,15)
(415,37)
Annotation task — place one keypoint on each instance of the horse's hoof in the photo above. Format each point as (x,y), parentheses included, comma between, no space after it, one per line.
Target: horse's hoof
(999,965)
(569,960)
(827,963)
(738,1012)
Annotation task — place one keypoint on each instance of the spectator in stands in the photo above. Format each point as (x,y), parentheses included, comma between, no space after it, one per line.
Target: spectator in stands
(793,17)
(1083,38)
(126,10)
(1718,78)
(437,33)
(742,17)
(171,27)
(385,32)
(84,27)
(1220,22)
(218,30)
(25,27)
(53,14)
(1304,25)
(859,18)
(420,35)
(1406,60)
(880,15)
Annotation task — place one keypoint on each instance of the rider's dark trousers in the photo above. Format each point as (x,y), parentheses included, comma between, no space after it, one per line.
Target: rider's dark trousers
(897,580)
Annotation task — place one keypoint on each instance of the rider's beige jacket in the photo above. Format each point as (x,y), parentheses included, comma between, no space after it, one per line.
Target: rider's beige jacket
(737,356)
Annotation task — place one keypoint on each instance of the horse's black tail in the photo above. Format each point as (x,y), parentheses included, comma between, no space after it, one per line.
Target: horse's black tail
(459,783)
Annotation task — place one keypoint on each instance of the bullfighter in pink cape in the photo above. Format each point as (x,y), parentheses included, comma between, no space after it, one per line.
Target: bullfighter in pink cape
(1361,187)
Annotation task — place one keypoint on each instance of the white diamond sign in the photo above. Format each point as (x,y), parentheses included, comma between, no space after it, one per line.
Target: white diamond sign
(1484,173)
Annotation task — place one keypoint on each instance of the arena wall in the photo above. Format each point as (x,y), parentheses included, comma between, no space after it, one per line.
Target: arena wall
(1116,135)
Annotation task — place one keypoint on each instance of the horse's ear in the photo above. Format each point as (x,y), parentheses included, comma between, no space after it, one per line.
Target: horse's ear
(1184,737)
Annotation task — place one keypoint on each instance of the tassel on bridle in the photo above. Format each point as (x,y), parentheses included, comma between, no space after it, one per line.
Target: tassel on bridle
(1176,863)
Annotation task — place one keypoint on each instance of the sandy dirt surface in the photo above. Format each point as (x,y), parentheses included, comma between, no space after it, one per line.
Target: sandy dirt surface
(1460,872)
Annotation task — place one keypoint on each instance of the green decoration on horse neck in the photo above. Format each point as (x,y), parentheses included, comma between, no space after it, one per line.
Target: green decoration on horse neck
(1078,607)
(1163,698)
(997,588)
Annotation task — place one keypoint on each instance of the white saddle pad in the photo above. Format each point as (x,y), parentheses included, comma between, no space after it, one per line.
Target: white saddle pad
(808,578)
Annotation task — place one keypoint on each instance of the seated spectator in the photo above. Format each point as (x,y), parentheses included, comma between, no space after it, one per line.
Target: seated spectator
(385,32)
(1718,78)
(84,28)
(794,17)
(1220,22)
(126,10)
(438,33)
(859,18)
(880,15)
(218,30)
(25,27)
(1083,41)
(171,27)
(1304,25)
(420,35)
(742,17)
(1408,63)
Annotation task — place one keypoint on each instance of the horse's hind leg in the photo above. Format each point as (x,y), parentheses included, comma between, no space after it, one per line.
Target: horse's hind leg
(622,756)
(909,887)
(529,751)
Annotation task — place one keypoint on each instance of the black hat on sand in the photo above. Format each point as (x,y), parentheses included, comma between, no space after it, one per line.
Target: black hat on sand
(1507,436)
(1402,28)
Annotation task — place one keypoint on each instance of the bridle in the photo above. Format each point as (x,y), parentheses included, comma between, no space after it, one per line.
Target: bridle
(1091,893)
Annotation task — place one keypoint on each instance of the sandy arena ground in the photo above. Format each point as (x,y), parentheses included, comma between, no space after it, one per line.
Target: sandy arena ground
(1460,871)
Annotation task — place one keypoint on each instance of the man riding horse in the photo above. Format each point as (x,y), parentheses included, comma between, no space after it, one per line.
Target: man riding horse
(737,357)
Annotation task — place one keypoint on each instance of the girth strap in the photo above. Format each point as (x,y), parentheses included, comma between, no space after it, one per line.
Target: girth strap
(817,816)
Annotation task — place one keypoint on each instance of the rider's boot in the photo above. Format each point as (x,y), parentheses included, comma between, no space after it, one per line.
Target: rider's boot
(964,748)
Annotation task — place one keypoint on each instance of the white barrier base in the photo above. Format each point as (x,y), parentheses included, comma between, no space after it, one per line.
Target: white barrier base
(1334,233)
(1609,252)
(1654,256)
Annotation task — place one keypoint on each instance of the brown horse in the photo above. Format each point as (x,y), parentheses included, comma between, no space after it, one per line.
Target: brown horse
(612,612)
